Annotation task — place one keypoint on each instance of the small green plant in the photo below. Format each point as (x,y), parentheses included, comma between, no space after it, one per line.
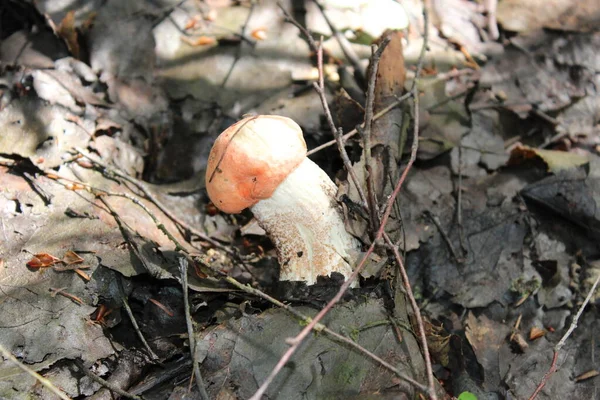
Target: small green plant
(467,396)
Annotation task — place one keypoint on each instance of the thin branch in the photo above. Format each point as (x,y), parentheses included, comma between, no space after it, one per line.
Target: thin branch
(8,355)
(416,311)
(376,52)
(106,384)
(144,188)
(337,133)
(344,44)
(563,340)
(355,131)
(296,341)
(135,325)
(436,222)
(322,328)
(183,269)
(320,89)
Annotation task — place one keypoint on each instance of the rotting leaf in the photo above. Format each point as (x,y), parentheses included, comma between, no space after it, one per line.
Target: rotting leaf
(242,352)
(556,161)
(486,337)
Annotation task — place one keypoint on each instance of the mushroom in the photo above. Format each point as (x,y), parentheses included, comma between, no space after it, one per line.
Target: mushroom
(260,163)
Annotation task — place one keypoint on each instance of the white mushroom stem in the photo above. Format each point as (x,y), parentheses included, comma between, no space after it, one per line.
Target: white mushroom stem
(306,225)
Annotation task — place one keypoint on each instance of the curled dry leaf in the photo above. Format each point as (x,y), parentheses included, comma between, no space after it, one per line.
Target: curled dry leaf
(536,333)
(555,160)
(42,260)
(587,375)
(67,31)
(71,257)
(259,33)
(199,41)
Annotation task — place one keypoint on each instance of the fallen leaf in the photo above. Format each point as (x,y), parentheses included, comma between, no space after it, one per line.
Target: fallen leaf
(259,33)
(67,31)
(587,375)
(199,41)
(71,257)
(42,260)
(529,15)
(555,160)
(536,333)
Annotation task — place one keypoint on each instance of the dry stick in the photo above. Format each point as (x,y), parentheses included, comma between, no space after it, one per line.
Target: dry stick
(337,133)
(121,290)
(183,267)
(381,113)
(354,131)
(413,155)
(344,44)
(438,225)
(322,328)
(8,355)
(256,292)
(136,327)
(416,311)
(366,130)
(152,198)
(296,341)
(250,290)
(320,89)
(107,384)
(563,340)
(137,202)
(459,200)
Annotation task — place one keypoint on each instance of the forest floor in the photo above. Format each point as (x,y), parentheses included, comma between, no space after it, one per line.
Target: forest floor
(114,264)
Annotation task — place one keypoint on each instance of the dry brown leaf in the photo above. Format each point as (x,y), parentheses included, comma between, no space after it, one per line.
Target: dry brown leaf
(536,333)
(259,33)
(555,160)
(587,375)
(67,31)
(199,41)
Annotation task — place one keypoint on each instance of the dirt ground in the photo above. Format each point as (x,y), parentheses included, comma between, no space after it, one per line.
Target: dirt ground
(463,140)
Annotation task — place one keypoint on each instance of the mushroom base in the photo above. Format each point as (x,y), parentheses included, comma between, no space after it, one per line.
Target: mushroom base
(305,223)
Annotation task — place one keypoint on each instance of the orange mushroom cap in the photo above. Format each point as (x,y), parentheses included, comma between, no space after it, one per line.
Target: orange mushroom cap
(250,159)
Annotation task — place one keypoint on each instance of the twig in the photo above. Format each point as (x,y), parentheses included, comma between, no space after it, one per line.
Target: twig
(366,131)
(459,198)
(337,133)
(413,157)
(320,89)
(563,340)
(296,341)
(159,224)
(136,327)
(344,44)
(105,383)
(416,311)
(436,222)
(322,328)
(386,110)
(183,269)
(8,355)
(354,131)
(122,291)
(142,186)
(239,48)
(61,291)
